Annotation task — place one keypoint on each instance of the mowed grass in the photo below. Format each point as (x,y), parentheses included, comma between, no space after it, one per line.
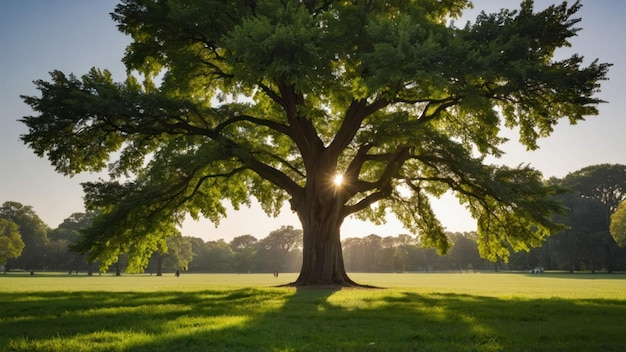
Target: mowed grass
(413,312)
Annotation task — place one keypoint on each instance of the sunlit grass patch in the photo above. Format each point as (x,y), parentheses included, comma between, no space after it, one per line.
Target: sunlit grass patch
(195,323)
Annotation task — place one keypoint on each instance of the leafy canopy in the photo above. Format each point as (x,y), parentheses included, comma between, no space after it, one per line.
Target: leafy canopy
(264,99)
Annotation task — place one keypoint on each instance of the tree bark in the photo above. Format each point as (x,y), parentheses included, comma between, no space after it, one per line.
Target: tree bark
(321,215)
(322,257)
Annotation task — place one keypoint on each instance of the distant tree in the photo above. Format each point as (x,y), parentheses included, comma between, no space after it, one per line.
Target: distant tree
(427,258)
(219,257)
(386,257)
(59,257)
(11,244)
(405,240)
(200,261)
(372,247)
(70,228)
(283,239)
(245,252)
(405,248)
(274,251)
(121,264)
(62,239)
(179,253)
(606,184)
(34,234)
(581,245)
(464,253)
(243,241)
(278,100)
(63,233)
(156,262)
(353,254)
(176,255)
(618,224)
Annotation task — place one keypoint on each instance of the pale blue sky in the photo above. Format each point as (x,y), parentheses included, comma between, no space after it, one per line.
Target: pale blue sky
(38,36)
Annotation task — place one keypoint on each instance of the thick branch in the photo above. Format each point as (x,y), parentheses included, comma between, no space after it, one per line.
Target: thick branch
(351,123)
(291,167)
(303,132)
(383,184)
(262,122)
(276,177)
(207,177)
(366,202)
(270,93)
(444,104)
(353,170)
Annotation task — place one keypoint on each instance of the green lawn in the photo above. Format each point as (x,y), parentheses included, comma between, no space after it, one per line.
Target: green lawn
(414,312)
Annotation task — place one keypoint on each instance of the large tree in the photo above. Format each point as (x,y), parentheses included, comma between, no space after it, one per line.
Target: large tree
(274,99)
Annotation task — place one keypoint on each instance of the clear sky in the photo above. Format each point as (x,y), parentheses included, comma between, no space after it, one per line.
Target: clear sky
(38,36)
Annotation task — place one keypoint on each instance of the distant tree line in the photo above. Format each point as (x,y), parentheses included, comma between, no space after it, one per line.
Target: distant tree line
(591,196)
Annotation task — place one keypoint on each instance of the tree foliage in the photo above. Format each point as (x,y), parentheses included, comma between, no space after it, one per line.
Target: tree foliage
(176,255)
(272,99)
(279,249)
(179,252)
(33,231)
(11,244)
(618,224)
(71,227)
(604,182)
(63,239)
(220,257)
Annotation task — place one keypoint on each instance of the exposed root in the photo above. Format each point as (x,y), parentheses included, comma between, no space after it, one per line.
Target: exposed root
(329,287)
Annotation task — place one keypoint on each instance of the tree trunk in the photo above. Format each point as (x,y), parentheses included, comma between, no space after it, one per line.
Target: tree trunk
(159,265)
(321,216)
(608,255)
(322,257)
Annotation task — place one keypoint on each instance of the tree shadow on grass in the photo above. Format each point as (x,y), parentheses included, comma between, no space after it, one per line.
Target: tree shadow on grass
(305,320)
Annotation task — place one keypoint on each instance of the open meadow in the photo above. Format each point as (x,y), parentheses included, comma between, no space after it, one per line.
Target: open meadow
(230,312)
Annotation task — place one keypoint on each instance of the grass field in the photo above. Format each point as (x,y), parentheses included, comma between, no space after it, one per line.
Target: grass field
(223,312)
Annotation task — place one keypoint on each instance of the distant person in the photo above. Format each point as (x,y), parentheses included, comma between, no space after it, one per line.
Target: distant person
(276,273)
(177,273)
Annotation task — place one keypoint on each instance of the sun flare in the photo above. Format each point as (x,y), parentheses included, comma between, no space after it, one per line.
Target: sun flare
(338,180)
